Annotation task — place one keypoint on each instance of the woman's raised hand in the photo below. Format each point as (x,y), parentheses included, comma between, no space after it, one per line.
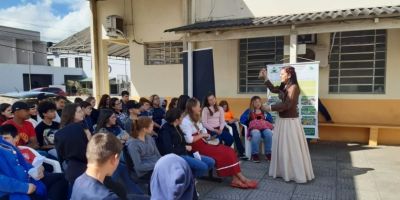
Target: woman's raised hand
(263,74)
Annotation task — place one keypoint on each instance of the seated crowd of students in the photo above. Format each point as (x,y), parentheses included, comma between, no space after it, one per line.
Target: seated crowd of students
(167,147)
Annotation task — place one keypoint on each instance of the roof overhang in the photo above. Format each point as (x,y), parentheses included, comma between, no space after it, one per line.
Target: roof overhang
(304,23)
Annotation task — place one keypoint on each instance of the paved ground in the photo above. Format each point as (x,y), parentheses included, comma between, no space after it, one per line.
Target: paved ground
(343,171)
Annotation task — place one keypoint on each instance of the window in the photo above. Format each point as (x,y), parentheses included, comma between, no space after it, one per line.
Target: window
(163,53)
(78,62)
(64,62)
(50,62)
(357,62)
(255,53)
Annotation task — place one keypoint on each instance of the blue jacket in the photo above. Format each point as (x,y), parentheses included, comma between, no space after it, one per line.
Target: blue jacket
(245,117)
(14,178)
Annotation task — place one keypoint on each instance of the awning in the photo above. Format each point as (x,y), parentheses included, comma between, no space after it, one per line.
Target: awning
(294,19)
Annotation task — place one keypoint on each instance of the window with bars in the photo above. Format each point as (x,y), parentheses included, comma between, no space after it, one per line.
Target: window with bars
(78,62)
(255,53)
(162,53)
(357,62)
(64,62)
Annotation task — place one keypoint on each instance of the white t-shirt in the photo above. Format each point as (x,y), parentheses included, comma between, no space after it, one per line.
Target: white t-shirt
(189,129)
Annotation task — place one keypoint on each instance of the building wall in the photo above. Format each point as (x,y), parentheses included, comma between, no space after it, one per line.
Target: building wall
(118,65)
(150,21)
(17,47)
(345,108)
(149,24)
(7,55)
(14,77)
(207,10)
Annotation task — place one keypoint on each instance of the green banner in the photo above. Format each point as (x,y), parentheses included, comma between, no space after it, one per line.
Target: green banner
(307,76)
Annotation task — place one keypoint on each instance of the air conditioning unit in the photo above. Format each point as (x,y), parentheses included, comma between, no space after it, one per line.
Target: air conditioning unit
(114,26)
(307,39)
(301,49)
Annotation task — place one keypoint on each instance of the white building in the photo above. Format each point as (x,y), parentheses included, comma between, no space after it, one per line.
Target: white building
(23,62)
(74,52)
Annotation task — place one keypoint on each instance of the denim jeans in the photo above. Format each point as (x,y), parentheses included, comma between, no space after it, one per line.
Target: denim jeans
(256,136)
(199,167)
(224,137)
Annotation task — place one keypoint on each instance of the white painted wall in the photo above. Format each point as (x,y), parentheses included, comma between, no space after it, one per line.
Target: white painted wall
(11,77)
(118,65)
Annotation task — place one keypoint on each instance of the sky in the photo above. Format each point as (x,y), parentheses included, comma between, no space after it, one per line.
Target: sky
(54,19)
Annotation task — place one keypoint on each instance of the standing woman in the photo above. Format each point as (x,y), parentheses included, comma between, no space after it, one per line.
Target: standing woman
(290,155)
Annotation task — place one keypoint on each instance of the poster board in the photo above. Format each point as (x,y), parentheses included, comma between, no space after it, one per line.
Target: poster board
(307,77)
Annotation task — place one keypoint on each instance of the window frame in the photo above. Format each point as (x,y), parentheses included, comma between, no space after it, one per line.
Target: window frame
(79,62)
(278,59)
(164,48)
(338,70)
(64,62)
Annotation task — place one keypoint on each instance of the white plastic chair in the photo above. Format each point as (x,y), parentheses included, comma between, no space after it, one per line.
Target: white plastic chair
(54,163)
(247,143)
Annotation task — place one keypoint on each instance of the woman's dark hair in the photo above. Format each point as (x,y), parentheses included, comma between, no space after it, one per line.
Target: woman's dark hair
(172,103)
(103,101)
(140,124)
(293,77)
(207,105)
(173,115)
(3,107)
(103,119)
(113,102)
(68,114)
(85,104)
(78,100)
(189,109)
(182,100)
(45,106)
(152,100)
(224,103)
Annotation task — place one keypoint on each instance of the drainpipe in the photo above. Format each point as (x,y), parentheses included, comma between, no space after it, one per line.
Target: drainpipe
(190,69)
(190,47)
(293,46)
(94,50)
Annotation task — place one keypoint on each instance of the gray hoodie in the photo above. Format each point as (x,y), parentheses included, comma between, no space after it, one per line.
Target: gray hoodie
(144,154)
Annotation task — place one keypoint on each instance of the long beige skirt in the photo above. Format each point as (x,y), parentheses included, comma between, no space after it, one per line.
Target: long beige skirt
(290,155)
